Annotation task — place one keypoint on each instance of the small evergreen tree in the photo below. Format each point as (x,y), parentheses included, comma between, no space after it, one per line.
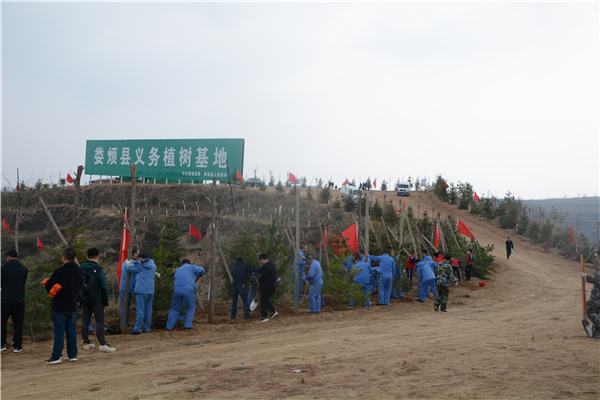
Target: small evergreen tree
(324,195)
(166,257)
(349,204)
(376,210)
(279,186)
(337,282)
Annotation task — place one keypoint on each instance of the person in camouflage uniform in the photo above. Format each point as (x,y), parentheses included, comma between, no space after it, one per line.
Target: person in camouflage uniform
(445,277)
(593,304)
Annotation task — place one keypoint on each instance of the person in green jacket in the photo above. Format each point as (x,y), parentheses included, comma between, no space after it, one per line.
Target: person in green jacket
(444,278)
(593,303)
(95,307)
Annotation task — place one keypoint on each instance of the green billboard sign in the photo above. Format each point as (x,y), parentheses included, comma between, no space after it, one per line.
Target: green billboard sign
(195,159)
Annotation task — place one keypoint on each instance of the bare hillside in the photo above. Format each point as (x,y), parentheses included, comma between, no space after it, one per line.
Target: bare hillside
(518,337)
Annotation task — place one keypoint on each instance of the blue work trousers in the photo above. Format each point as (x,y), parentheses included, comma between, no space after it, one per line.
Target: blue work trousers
(314,296)
(143,312)
(179,295)
(425,287)
(385,288)
(366,290)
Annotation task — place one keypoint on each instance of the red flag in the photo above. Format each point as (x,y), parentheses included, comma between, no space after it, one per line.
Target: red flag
(5,225)
(239,176)
(438,238)
(346,182)
(351,236)
(324,241)
(477,197)
(69,178)
(17,186)
(464,230)
(571,236)
(292,178)
(447,186)
(124,245)
(375,183)
(195,232)
(40,244)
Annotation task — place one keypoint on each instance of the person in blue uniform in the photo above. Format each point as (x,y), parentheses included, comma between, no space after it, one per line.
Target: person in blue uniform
(425,269)
(184,289)
(386,272)
(314,278)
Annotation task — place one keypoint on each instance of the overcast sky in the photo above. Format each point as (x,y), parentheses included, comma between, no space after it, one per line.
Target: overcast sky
(504,96)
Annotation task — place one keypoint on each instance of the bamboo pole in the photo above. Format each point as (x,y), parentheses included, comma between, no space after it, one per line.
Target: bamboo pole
(223,259)
(367,224)
(452,232)
(297,251)
(54,226)
(77,206)
(213,272)
(131,227)
(412,239)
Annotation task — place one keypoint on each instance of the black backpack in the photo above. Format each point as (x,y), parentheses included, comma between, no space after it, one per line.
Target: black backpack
(88,292)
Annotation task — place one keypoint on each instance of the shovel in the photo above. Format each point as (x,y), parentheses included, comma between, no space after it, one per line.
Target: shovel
(305,290)
(584,321)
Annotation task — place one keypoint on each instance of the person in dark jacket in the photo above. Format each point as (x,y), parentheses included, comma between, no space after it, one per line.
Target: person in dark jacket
(64,306)
(97,307)
(14,277)
(238,286)
(267,284)
(510,247)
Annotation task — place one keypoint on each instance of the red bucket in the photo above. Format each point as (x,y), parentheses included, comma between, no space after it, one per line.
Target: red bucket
(482,284)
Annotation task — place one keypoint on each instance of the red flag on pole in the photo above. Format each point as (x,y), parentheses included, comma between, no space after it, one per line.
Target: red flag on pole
(324,241)
(346,182)
(5,225)
(195,232)
(292,178)
(124,245)
(351,236)
(40,244)
(375,183)
(477,197)
(438,238)
(464,230)
(69,178)
(239,176)
(445,184)
(571,236)
(17,186)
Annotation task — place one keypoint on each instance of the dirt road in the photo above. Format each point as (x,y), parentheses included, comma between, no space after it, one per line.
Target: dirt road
(520,336)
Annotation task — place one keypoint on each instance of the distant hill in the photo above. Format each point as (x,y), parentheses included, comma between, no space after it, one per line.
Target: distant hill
(582,212)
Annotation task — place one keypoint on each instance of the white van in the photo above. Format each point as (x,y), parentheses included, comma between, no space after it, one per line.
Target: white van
(403,189)
(348,190)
